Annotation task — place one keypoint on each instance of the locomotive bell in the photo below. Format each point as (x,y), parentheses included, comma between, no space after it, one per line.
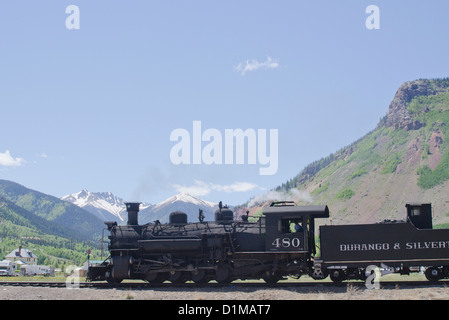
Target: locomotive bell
(133,209)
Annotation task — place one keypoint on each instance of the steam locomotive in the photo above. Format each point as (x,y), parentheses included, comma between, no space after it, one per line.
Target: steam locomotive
(281,243)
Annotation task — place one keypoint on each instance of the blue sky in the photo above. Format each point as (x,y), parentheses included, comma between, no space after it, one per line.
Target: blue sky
(94,108)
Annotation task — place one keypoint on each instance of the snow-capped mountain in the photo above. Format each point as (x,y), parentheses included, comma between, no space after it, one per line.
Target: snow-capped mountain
(108,207)
(104,205)
(186,198)
(181,202)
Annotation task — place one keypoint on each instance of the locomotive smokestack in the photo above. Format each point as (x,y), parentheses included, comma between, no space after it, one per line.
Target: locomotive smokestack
(133,209)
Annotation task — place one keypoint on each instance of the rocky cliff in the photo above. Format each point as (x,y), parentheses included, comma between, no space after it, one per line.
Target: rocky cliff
(404,159)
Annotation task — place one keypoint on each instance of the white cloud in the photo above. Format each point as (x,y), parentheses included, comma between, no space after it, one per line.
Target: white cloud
(235,187)
(8,161)
(201,188)
(254,65)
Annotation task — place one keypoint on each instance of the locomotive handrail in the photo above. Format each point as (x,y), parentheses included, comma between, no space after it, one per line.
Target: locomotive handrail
(156,237)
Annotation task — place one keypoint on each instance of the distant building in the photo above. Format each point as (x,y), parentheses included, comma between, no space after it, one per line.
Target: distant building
(8,268)
(35,270)
(23,255)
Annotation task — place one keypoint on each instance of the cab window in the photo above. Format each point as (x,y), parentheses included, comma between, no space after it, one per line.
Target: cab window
(290,225)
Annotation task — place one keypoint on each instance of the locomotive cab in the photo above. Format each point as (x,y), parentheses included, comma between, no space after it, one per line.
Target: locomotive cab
(292,228)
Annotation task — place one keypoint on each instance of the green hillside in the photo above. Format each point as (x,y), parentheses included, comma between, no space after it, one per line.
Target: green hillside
(404,159)
(59,233)
(54,245)
(84,226)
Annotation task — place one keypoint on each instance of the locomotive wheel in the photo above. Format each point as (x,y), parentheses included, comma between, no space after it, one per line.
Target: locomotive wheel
(223,275)
(113,281)
(156,278)
(177,277)
(199,276)
(433,274)
(337,275)
(271,277)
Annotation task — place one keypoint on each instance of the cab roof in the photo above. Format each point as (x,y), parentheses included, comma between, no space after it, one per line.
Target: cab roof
(321,211)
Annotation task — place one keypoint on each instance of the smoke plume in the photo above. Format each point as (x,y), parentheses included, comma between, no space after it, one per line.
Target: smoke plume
(291,195)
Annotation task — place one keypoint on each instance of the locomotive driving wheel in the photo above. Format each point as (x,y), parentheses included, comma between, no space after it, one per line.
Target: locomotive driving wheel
(114,282)
(223,274)
(156,278)
(177,277)
(271,277)
(199,276)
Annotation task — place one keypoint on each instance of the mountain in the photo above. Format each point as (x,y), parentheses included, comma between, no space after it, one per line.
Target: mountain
(108,207)
(405,158)
(54,244)
(103,205)
(20,217)
(181,202)
(59,233)
(77,221)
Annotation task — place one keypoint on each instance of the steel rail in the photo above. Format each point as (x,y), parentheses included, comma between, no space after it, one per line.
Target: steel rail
(232,285)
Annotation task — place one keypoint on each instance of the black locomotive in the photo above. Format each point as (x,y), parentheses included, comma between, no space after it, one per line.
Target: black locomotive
(280,244)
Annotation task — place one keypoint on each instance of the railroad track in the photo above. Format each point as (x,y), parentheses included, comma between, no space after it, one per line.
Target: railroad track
(51,284)
(167,285)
